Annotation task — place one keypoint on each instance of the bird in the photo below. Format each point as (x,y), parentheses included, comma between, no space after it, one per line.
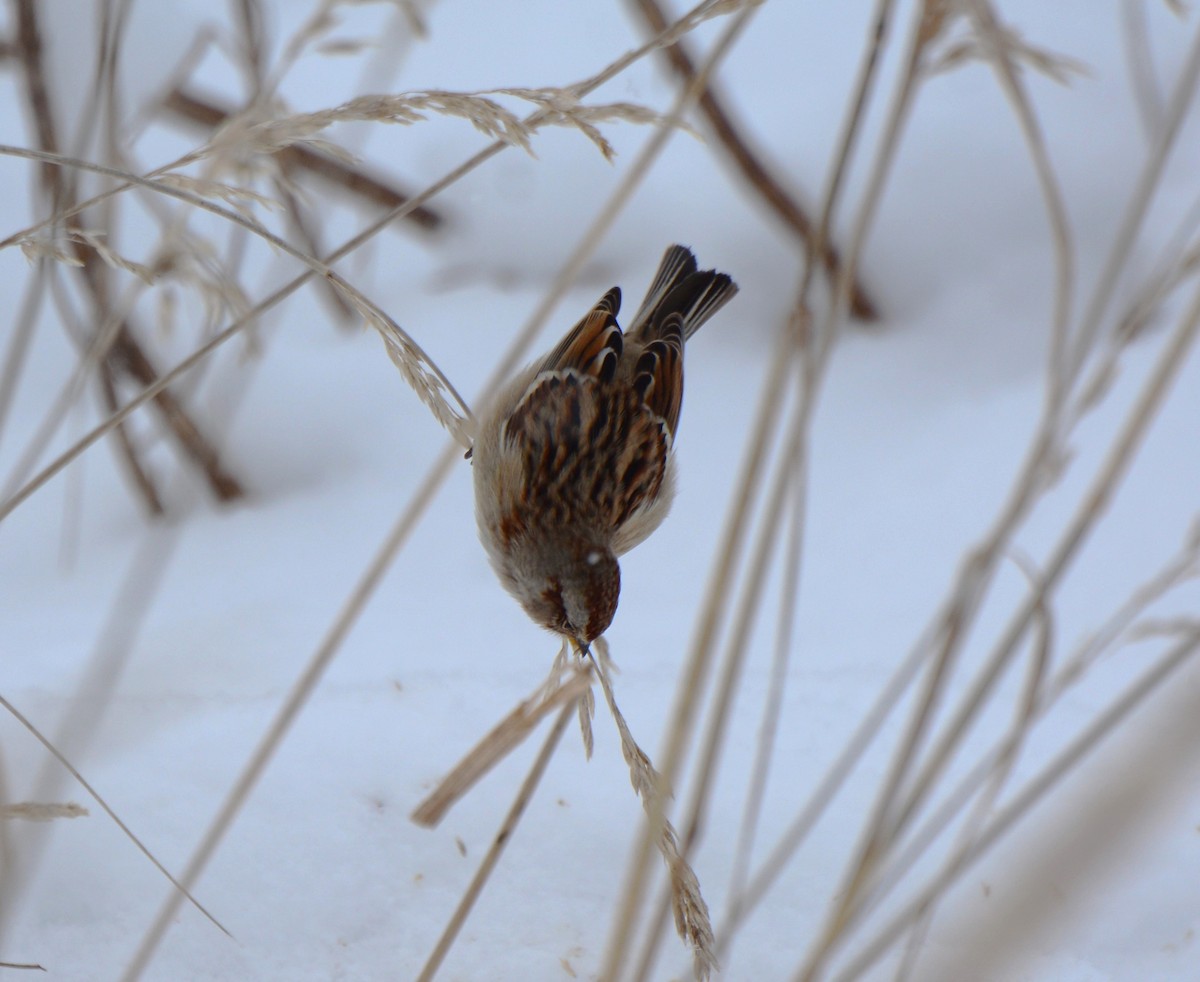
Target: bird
(573,460)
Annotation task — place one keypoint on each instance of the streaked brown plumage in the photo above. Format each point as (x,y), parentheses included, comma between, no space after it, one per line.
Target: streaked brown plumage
(572,461)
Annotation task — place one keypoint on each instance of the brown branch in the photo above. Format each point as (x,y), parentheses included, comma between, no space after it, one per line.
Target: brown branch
(130,357)
(140,476)
(28,47)
(374,190)
(250,36)
(308,239)
(756,173)
(125,353)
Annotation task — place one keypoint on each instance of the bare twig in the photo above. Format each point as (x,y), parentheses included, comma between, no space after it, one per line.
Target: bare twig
(309,239)
(196,445)
(18,346)
(126,352)
(137,472)
(759,176)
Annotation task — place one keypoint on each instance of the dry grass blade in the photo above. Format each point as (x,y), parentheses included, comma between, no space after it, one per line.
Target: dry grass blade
(18,347)
(528,786)
(507,364)
(790,478)
(772,711)
(978,571)
(1017,51)
(36,811)
(789,842)
(272,136)
(996,45)
(560,107)
(370,189)
(94,690)
(499,742)
(1143,81)
(1034,791)
(1094,503)
(631,903)
(1176,112)
(755,171)
(297,697)
(587,713)
(1038,701)
(563,108)
(992,40)
(417,368)
(691,912)
(309,678)
(180,891)
(1001,769)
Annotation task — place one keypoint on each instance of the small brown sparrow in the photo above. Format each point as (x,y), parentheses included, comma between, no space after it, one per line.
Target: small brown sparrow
(572,460)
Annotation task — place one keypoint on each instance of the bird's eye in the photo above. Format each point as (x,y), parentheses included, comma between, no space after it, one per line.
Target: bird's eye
(593,558)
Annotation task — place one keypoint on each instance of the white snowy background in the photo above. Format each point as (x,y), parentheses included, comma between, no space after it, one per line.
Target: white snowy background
(156,653)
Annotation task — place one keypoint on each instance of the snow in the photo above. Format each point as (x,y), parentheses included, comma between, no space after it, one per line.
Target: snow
(184,637)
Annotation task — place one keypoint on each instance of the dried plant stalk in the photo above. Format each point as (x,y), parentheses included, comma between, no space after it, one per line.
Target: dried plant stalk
(36,811)
(756,173)
(368,188)
(1030,794)
(179,890)
(508,362)
(301,690)
(126,354)
(503,738)
(691,912)
(528,786)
